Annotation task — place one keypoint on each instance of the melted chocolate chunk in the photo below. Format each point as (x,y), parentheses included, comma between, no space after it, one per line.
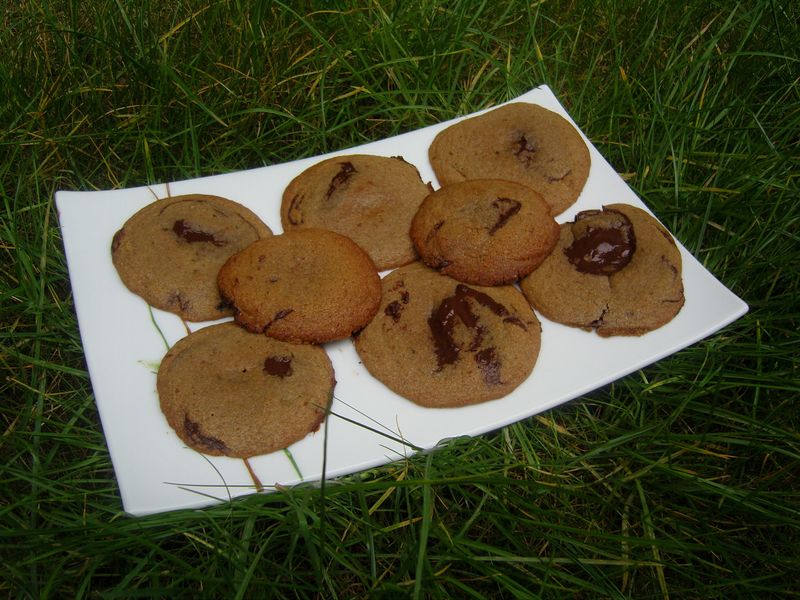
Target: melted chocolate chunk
(507,207)
(346,171)
(598,322)
(436,227)
(393,310)
(477,339)
(554,178)
(666,235)
(515,320)
(524,146)
(278,316)
(463,291)
(442,320)
(280,366)
(524,150)
(180,300)
(604,243)
(194,433)
(489,364)
(294,214)
(191,234)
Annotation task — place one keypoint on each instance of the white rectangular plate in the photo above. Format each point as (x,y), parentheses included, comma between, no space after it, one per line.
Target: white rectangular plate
(369,425)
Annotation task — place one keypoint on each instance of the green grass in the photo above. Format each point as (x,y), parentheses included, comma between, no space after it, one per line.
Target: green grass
(681,480)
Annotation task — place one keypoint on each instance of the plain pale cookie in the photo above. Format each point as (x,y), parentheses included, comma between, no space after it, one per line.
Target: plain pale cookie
(442,343)
(229,392)
(615,270)
(308,285)
(170,251)
(484,231)
(370,199)
(519,142)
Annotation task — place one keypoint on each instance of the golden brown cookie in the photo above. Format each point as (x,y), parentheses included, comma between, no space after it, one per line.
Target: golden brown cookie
(308,285)
(370,199)
(170,251)
(442,343)
(229,392)
(615,270)
(484,231)
(519,142)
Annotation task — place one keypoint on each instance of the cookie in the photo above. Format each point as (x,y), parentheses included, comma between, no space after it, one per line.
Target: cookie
(370,199)
(484,231)
(169,252)
(616,271)
(229,392)
(308,285)
(519,142)
(442,343)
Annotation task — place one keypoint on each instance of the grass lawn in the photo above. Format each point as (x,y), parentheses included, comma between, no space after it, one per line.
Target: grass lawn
(679,481)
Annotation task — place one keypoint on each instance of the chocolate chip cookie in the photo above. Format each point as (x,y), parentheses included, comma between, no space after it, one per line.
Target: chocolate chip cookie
(519,142)
(370,199)
(169,252)
(615,270)
(484,231)
(229,392)
(442,343)
(307,285)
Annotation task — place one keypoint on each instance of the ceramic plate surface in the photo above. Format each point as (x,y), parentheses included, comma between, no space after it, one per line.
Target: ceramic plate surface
(124,341)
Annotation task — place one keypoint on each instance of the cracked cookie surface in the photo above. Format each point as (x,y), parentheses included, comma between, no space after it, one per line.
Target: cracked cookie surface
(170,251)
(229,392)
(442,343)
(484,231)
(520,142)
(370,199)
(309,285)
(616,271)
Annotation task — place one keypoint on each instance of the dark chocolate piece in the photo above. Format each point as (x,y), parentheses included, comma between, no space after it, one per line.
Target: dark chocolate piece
(347,169)
(278,316)
(442,321)
(295,215)
(489,364)
(280,366)
(603,244)
(192,234)
(524,149)
(508,207)
(196,434)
